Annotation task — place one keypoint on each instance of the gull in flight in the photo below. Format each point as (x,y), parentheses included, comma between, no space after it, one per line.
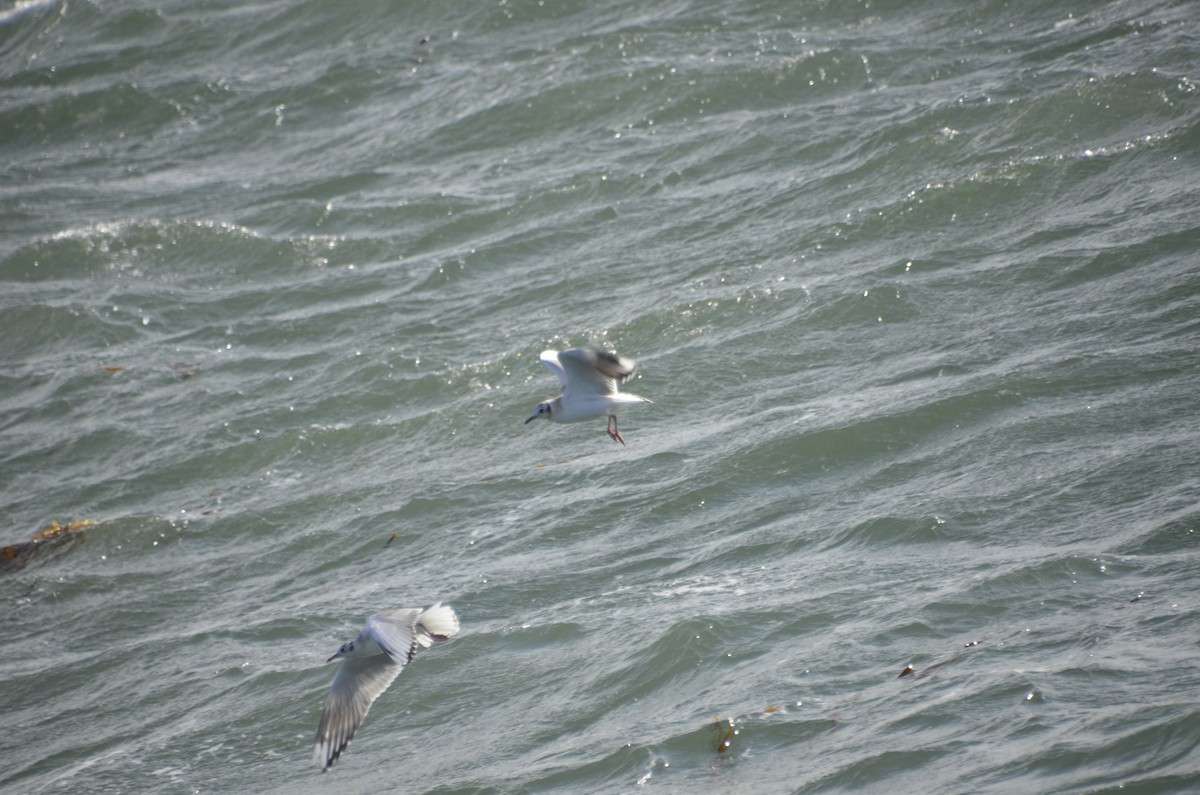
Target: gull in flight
(587,380)
(370,662)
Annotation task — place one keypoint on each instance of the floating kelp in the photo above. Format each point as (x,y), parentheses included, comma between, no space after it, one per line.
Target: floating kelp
(395,534)
(183,372)
(909,670)
(55,536)
(726,731)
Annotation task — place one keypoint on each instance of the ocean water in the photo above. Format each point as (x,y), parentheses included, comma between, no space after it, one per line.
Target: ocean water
(914,287)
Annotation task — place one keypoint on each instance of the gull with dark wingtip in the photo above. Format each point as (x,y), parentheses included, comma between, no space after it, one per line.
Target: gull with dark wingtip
(587,381)
(370,662)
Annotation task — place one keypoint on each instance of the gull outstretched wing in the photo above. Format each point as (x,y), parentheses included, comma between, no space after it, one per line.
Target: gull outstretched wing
(590,370)
(550,359)
(357,684)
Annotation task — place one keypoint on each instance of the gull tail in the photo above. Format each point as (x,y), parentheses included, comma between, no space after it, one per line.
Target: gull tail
(436,623)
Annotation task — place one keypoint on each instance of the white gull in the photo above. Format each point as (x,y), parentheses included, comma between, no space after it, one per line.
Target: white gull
(370,662)
(587,381)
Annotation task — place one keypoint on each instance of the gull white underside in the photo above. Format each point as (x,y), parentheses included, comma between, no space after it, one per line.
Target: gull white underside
(387,643)
(588,382)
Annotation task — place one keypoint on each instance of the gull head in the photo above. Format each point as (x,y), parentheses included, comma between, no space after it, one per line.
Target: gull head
(343,650)
(543,410)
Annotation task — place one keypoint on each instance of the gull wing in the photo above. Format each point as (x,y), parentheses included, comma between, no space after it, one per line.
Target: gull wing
(358,683)
(590,370)
(396,633)
(550,359)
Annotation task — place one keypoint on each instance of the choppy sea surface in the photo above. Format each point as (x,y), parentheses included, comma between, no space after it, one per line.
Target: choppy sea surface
(914,287)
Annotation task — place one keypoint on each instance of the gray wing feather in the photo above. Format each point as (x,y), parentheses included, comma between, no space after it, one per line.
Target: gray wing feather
(396,633)
(590,370)
(357,684)
(550,359)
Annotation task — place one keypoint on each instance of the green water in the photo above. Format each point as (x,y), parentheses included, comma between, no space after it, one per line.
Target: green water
(914,290)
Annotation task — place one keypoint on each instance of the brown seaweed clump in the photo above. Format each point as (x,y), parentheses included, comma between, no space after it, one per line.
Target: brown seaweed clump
(17,556)
(726,731)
